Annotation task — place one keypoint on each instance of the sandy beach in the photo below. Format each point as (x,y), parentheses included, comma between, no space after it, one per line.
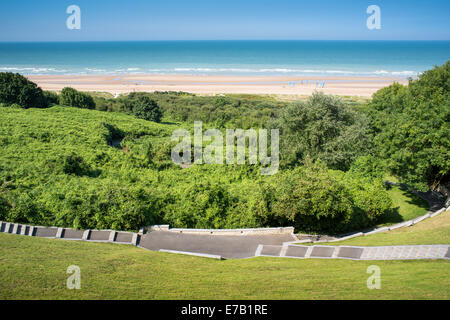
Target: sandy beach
(210,85)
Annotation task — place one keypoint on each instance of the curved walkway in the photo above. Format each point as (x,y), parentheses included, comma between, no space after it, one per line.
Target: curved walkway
(228,247)
(239,244)
(356,253)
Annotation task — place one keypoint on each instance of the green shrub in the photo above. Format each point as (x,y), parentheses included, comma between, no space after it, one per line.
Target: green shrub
(60,184)
(313,200)
(233,111)
(369,167)
(316,200)
(201,205)
(370,199)
(51,98)
(25,210)
(15,106)
(147,109)
(16,89)
(4,208)
(74,164)
(73,98)
(325,128)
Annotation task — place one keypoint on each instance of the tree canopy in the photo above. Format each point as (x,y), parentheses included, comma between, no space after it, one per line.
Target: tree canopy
(145,108)
(325,128)
(412,128)
(16,89)
(73,98)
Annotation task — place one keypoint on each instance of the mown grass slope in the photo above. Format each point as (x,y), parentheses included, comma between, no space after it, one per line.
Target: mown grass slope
(435,230)
(35,268)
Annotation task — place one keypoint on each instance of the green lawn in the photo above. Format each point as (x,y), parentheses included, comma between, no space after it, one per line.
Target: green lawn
(35,268)
(430,231)
(406,205)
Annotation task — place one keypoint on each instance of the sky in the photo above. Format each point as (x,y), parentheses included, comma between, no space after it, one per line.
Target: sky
(114,20)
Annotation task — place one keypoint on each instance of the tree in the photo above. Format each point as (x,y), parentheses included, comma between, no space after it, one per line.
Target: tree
(412,126)
(73,98)
(324,128)
(312,200)
(16,89)
(316,199)
(147,109)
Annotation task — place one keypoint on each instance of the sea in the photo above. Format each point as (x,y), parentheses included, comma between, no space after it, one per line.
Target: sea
(406,59)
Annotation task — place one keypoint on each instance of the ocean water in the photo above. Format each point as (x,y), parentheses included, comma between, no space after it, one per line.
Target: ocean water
(299,58)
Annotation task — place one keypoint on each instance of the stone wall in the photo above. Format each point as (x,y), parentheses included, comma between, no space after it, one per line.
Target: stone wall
(111,236)
(222,232)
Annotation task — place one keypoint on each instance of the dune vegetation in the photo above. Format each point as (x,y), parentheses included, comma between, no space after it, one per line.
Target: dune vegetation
(91,161)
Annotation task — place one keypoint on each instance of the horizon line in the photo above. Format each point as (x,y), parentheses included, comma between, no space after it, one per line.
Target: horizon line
(217,40)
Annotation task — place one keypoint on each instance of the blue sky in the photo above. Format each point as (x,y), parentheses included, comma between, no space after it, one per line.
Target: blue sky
(107,20)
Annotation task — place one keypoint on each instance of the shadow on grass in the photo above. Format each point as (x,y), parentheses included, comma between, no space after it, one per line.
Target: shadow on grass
(415,200)
(394,216)
(170,123)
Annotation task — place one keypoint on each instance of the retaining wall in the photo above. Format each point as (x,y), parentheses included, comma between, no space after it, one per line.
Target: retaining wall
(111,236)
(224,232)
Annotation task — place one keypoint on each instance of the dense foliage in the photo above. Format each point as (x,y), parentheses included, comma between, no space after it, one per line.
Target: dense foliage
(145,108)
(16,89)
(73,98)
(325,128)
(234,111)
(412,128)
(80,168)
(66,172)
(315,199)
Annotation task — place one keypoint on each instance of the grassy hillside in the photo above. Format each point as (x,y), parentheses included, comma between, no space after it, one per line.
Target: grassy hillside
(430,231)
(35,268)
(405,206)
(57,166)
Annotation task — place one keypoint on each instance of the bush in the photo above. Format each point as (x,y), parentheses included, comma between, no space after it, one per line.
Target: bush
(4,208)
(313,200)
(324,128)
(370,199)
(369,167)
(203,205)
(74,164)
(16,89)
(73,98)
(51,98)
(25,210)
(147,109)
(251,206)
(108,205)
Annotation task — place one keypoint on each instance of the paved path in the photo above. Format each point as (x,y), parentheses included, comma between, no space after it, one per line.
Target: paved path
(357,253)
(231,247)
